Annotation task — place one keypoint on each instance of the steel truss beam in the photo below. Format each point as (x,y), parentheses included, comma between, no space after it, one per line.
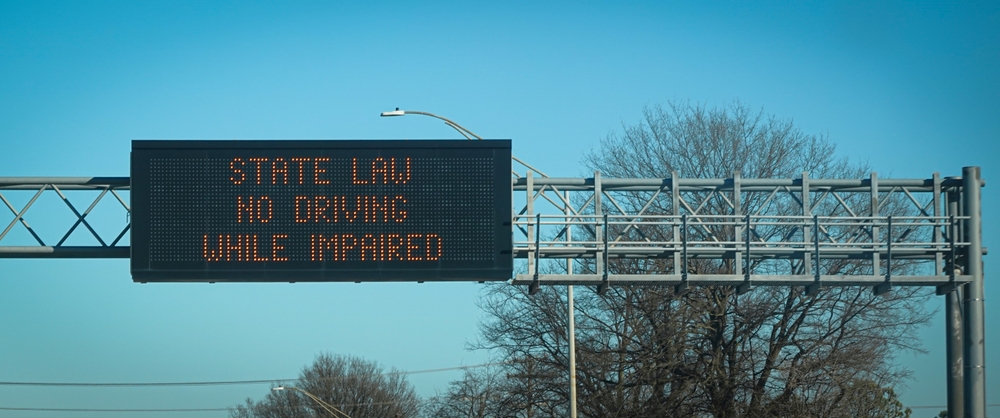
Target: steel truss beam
(103,187)
(845,234)
(768,232)
(894,229)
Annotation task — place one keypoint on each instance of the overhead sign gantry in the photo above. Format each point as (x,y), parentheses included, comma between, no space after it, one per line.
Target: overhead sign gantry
(205,211)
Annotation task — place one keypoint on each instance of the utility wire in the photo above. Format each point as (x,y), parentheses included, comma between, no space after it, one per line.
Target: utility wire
(238,382)
(992,405)
(2,408)
(221,382)
(146,384)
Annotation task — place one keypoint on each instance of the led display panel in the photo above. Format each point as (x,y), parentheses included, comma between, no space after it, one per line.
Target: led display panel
(287,211)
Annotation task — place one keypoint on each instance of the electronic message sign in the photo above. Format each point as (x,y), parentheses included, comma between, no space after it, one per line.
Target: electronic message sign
(268,211)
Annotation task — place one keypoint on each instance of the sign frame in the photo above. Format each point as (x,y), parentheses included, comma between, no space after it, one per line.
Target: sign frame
(429,248)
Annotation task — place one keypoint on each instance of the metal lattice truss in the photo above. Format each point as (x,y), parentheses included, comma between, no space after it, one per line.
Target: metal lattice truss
(809,232)
(98,189)
(739,232)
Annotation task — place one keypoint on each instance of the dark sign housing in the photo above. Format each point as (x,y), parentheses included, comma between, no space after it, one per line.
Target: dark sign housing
(266,211)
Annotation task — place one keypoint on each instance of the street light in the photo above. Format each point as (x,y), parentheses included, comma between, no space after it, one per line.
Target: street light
(457,127)
(569,263)
(329,408)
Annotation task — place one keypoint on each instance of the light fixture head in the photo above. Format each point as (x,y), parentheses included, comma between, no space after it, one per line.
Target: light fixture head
(396,112)
(278,388)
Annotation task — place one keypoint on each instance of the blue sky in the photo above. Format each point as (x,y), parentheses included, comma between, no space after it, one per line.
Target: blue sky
(910,88)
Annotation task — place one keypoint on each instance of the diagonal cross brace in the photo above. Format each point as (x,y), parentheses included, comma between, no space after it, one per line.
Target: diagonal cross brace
(80,218)
(19,216)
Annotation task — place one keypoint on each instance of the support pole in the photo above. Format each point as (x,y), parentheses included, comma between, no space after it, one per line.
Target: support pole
(974,346)
(571,313)
(572,355)
(953,329)
(953,321)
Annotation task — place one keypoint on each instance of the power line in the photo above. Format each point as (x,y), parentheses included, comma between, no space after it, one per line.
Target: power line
(221,382)
(146,384)
(236,382)
(4,408)
(992,405)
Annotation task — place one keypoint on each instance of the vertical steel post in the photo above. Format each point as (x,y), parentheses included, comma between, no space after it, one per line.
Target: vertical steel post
(572,354)
(953,329)
(572,315)
(747,271)
(684,249)
(530,204)
(876,259)
(817,279)
(885,287)
(888,251)
(953,319)
(538,244)
(675,209)
(974,349)
(806,228)
(816,260)
(809,235)
(605,272)
(598,214)
(737,224)
(936,212)
(738,231)
(952,307)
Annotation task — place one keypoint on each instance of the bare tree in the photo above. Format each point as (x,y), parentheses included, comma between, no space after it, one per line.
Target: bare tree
(478,394)
(647,351)
(521,388)
(358,387)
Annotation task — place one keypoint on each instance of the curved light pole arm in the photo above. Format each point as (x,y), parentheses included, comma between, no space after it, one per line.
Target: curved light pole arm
(336,413)
(329,408)
(461,129)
